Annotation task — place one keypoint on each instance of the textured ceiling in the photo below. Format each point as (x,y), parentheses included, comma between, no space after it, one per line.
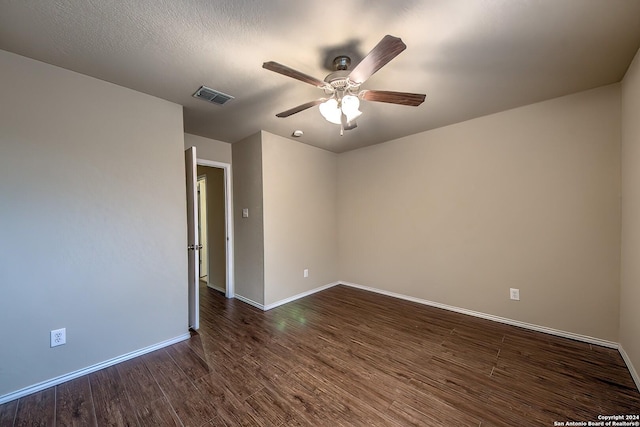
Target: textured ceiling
(471,57)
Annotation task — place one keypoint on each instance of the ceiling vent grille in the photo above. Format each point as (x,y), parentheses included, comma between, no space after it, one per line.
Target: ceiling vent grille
(212,96)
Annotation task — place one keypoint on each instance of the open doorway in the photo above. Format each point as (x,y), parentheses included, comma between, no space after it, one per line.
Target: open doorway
(224,283)
(212,227)
(217,225)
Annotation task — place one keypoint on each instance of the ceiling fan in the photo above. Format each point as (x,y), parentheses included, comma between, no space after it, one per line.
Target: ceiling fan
(342,87)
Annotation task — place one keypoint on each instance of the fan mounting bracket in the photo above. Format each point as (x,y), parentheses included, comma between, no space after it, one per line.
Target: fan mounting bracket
(339,81)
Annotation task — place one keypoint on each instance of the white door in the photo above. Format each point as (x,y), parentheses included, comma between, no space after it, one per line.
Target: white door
(192,237)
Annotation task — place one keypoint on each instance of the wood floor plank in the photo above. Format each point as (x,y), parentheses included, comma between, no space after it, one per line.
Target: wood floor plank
(345,402)
(267,363)
(157,413)
(37,409)
(195,342)
(355,396)
(74,404)
(269,407)
(477,356)
(140,384)
(188,360)
(110,399)
(239,376)
(464,389)
(8,413)
(431,414)
(310,405)
(230,410)
(183,396)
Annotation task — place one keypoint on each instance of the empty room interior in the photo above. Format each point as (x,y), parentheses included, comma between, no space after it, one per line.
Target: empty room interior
(417,212)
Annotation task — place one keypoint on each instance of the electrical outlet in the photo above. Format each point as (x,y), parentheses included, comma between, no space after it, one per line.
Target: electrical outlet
(305,273)
(515,294)
(58,337)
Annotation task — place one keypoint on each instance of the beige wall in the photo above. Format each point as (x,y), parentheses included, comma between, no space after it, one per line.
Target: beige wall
(92,221)
(290,190)
(300,217)
(208,149)
(630,277)
(248,232)
(216,228)
(527,198)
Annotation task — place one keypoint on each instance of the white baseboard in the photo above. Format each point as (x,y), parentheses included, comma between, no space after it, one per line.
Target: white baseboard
(557,332)
(249,301)
(300,295)
(632,369)
(286,300)
(75,374)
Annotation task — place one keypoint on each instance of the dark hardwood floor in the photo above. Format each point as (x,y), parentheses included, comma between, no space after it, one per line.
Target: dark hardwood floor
(343,357)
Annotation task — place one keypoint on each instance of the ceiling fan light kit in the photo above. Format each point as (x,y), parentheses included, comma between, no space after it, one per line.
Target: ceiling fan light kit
(332,109)
(341,105)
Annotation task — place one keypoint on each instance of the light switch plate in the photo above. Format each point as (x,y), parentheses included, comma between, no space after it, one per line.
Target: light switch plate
(245,213)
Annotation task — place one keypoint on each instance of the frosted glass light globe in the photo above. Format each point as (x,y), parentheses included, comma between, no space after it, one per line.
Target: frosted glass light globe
(330,111)
(350,105)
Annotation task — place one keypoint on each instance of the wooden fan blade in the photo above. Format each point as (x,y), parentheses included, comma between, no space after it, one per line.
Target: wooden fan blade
(387,49)
(290,72)
(402,98)
(301,107)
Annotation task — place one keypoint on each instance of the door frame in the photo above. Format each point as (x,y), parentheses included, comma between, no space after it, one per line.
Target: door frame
(228,219)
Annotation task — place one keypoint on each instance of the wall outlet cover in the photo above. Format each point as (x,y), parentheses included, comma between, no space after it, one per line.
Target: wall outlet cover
(58,337)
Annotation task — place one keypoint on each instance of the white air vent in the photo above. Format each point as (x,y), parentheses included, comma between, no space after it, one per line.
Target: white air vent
(213,96)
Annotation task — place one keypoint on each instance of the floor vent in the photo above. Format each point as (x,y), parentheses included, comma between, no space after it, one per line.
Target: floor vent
(212,96)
